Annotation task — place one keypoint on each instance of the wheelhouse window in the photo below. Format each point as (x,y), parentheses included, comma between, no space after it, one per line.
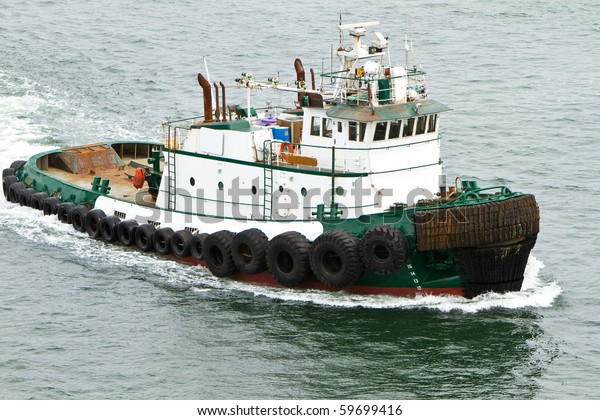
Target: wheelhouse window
(327,127)
(315,129)
(356,131)
(432,123)
(409,126)
(395,129)
(353,129)
(380,129)
(421,125)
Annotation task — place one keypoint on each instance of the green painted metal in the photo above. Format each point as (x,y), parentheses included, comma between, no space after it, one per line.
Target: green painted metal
(386,112)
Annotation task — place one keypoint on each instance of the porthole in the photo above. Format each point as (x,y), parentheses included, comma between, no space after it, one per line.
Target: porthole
(339,190)
(220,186)
(303,192)
(281,188)
(192,181)
(254,190)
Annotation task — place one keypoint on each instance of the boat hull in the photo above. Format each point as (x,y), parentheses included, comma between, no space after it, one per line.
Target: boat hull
(462,248)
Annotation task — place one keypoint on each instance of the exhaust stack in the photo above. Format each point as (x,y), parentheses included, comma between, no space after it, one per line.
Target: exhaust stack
(300,79)
(206,90)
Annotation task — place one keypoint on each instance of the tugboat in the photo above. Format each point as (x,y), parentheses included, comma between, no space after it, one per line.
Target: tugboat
(344,190)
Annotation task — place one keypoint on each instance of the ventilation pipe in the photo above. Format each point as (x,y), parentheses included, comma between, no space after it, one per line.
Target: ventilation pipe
(217,110)
(206,90)
(224,102)
(300,78)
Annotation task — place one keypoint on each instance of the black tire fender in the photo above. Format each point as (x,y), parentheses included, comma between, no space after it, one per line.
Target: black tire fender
(197,246)
(13,191)
(7,181)
(50,205)
(162,240)
(384,249)
(65,211)
(17,164)
(180,243)
(78,215)
(37,200)
(144,237)
(288,258)
(25,197)
(217,253)
(335,258)
(126,232)
(92,222)
(7,172)
(109,228)
(249,251)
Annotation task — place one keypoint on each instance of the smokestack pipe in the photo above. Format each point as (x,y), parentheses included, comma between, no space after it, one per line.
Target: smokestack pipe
(312,78)
(217,111)
(300,78)
(224,102)
(206,90)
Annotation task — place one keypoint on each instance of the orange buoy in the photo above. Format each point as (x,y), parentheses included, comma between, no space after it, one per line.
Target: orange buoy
(285,149)
(139,178)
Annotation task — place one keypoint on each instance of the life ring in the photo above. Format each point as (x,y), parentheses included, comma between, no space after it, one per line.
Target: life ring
(384,249)
(286,149)
(249,251)
(335,258)
(289,258)
(217,253)
(139,178)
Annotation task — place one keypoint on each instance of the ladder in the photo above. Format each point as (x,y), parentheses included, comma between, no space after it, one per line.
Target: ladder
(172,184)
(267,181)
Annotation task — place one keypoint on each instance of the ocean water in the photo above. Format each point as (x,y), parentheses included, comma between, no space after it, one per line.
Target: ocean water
(81,319)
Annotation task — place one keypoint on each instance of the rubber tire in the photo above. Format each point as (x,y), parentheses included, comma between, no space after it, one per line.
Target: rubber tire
(144,237)
(65,211)
(180,243)
(217,253)
(249,251)
(37,200)
(50,206)
(13,192)
(197,246)
(78,215)
(6,183)
(288,258)
(7,172)
(126,232)
(384,249)
(335,258)
(109,228)
(92,223)
(162,240)
(17,164)
(25,197)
